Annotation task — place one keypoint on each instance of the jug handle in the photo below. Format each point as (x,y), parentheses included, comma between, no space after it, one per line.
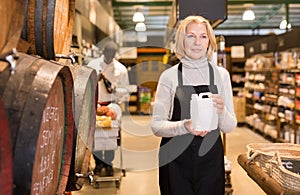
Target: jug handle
(205,94)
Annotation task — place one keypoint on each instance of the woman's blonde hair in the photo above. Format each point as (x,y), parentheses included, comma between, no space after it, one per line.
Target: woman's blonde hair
(179,37)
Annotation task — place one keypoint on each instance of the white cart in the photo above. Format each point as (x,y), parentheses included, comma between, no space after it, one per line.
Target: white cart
(109,138)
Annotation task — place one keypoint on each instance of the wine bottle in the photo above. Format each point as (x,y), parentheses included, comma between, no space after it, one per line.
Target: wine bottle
(110,88)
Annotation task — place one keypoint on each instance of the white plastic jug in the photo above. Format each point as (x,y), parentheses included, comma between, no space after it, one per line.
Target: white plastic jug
(203,113)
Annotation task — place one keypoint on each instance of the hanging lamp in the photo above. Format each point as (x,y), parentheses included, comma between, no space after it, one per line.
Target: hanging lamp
(140,26)
(138,16)
(248,15)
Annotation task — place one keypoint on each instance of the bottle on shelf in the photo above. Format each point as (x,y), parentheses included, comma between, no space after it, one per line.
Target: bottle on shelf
(221,51)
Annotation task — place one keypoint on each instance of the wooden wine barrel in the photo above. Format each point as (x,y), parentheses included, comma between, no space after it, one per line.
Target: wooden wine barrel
(38,100)
(85,83)
(11,20)
(6,173)
(5,73)
(48,27)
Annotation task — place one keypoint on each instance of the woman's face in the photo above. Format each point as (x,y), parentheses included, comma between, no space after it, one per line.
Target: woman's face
(196,40)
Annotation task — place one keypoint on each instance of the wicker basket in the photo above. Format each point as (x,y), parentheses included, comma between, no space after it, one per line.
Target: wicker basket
(269,157)
(287,179)
(261,153)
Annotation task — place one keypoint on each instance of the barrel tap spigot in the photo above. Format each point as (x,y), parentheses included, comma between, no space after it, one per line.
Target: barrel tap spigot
(11,58)
(70,56)
(88,175)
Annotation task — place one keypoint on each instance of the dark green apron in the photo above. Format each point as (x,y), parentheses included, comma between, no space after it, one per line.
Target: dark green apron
(191,165)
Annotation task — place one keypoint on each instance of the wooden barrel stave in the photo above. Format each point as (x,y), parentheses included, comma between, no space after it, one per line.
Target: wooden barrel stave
(85,83)
(12,101)
(5,73)
(39,24)
(46,86)
(48,27)
(11,20)
(6,173)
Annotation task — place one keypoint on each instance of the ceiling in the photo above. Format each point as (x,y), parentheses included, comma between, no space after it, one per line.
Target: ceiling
(157,13)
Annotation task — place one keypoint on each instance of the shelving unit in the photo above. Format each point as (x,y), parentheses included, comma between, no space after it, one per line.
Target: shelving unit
(273,103)
(237,70)
(289,108)
(133,105)
(261,101)
(237,75)
(273,87)
(262,87)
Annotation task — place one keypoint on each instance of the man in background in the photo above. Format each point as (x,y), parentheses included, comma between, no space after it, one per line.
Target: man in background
(112,89)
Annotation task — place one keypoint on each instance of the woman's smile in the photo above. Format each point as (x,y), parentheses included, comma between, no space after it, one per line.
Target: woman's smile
(197,50)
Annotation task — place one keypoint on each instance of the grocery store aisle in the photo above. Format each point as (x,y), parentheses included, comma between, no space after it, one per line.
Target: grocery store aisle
(140,149)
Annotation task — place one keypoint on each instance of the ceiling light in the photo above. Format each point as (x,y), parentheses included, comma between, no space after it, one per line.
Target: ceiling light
(284,25)
(140,26)
(138,17)
(248,15)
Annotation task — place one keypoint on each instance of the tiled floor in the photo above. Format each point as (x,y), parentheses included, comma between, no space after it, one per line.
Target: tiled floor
(140,149)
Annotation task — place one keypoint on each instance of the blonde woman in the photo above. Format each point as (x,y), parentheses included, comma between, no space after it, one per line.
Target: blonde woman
(192,162)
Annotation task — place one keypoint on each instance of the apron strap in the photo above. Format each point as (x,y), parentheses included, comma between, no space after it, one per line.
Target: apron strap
(179,73)
(211,74)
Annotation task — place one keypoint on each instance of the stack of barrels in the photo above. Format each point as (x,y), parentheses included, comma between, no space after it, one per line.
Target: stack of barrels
(47,106)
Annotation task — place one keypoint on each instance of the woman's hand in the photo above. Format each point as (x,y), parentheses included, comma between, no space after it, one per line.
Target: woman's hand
(188,125)
(218,102)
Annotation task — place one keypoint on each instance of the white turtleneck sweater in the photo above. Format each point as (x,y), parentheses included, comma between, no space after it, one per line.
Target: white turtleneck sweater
(194,72)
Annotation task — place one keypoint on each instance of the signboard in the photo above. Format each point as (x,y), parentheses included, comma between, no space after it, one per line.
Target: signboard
(210,9)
